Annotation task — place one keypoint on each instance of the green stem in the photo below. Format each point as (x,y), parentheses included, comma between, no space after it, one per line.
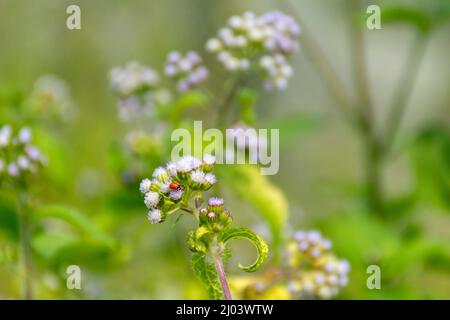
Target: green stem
(25,245)
(188,210)
(374,174)
(367,120)
(404,88)
(227,101)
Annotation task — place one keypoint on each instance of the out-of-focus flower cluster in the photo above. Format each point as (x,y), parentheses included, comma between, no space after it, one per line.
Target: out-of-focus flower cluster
(246,137)
(18,157)
(135,85)
(142,143)
(132,78)
(188,70)
(310,271)
(171,185)
(51,97)
(320,274)
(258,42)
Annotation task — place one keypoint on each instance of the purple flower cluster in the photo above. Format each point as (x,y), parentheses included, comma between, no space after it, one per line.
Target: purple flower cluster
(327,273)
(17,156)
(134,84)
(261,43)
(188,70)
(285,31)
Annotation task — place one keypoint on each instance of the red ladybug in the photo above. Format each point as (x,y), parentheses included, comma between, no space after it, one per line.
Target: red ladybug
(174,185)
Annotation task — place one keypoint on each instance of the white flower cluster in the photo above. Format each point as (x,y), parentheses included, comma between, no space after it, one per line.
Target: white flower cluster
(134,84)
(170,183)
(277,71)
(188,70)
(17,156)
(246,137)
(51,96)
(327,273)
(132,78)
(311,243)
(258,42)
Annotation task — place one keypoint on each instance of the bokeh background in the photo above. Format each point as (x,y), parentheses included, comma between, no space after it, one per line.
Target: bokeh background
(322,159)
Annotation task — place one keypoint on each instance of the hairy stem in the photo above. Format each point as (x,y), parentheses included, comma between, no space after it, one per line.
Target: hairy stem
(25,246)
(221,273)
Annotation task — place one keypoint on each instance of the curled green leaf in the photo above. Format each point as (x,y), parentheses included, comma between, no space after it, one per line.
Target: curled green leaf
(257,241)
(266,197)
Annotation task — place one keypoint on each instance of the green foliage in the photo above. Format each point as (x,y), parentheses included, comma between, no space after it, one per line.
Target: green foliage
(268,199)
(431,156)
(423,15)
(207,273)
(88,245)
(246,99)
(191,99)
(294,126)
(9,221)
(413,16)
(257,241)
(58,169)
(76,219)
(364,240)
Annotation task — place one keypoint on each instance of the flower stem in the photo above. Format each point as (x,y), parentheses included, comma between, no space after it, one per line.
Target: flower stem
(25,246)
(188,210)
(405,87)
(227,101)
(221,273)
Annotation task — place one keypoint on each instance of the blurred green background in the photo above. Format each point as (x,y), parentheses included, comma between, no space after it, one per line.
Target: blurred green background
(321,161)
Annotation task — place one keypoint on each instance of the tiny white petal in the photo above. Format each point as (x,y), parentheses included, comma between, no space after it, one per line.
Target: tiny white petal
(154,216)
(145,185)
(198,176)
(215,202)
(176,194)
(209,159)
(151,199)
(210,178)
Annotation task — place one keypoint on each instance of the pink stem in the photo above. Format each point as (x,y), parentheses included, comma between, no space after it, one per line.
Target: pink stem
(222,276)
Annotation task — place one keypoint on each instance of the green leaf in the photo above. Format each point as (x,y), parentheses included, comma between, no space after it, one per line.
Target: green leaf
(9,220)
(58,249)
(431,157)
(257,241)
(246,98)
(48,245)
(191,99)
(267,198)
(442,11)
(294,126)
(207,273)
(76,219)
(54,147)
(409,15)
